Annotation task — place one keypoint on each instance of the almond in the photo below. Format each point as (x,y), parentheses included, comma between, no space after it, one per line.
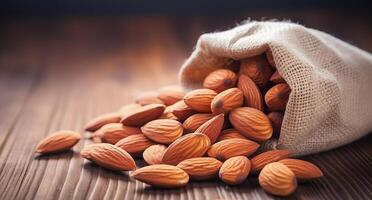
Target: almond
(181,110)
(58,142)
(188,146)
(276,119)
(163,131)
(170,94)
(303,170)
(252,95)
(277,179)
(192,123)
(226,149)
(235,170)
(165,176)
(134,144)
(201,168)
(141,116)
(259,161)
(227,100)
(270,58)
(252,123)
(112,133)
(230,134)
(101,120)
(108,156)
(129,107)
(149,97)
(200,100)
(154,154)
(168,115)
(276,98)
(257,68)
(277,78)
(220,80)
(212,127)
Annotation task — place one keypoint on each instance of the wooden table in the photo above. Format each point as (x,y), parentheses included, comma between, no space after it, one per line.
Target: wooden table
(59,73)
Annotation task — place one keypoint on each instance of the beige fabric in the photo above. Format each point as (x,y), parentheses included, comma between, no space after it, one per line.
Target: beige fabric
(331,81)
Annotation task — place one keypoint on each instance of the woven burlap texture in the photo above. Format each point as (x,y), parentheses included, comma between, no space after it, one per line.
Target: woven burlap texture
(331,81)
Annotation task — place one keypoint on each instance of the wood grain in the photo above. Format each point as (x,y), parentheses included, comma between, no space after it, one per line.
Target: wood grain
(58,74)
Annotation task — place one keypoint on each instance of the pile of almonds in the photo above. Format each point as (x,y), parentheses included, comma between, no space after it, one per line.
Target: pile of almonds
(199,135)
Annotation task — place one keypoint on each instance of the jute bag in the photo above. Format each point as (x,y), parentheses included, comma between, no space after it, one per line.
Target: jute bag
(331,81)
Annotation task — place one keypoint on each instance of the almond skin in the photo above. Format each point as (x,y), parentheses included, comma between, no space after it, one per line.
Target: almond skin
(303,170)
(188,146)
(200,100)
(170,94)
(226,149)
(235,170)
(154,154)
(148,97)
(164,176)
(58,142)
(201,168)
(230,134)
(275,178)
(226,101)
(276,98)
(252,123)
(252,95)
(259,161)
(192,123)
(220,80)
(276,78)
(257,68)
(276,119)
(134,144)
(112,133)
(108,156)
(270,58)
(182,111)
(212,127)
(163,131)
(129,107)
(102,120)
(141,116)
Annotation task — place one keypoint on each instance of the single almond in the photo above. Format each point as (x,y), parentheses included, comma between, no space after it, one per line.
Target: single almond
(259,161)
(112,133)
(108,156)
(58,142)
(277,179)
(181,110)
(164,131)
(227,100)
(257,68)
(200,99)
(102,120)
(168,115)
(164,176)
(129,107)
(188,146)
(276,98)
(252,123)
(134,144)
(201,168)
(235,170)
(154,154)
(148,97)
(303,170)
(252,95)
(220,80)
(276,119)
(212,127)
(192,123)
(277,78)
(141,116)
(230,134)
(226,149)
(170,94)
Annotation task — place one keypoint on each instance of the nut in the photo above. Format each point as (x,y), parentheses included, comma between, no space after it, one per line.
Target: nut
(212,127)
(181,110)
(154,153)
(149,97)
(192,123)
(129,108)
(163,131)
(252,95)
(235,170)
(170,94)
(276,119)
(141,116)
(201,168)
(200,100)
(102,120)
(303,170)
(277,78)
(276,98)
(220,80)
(257,68)
(230,134)
(134,144)
(226,149)
(227,100)
(58,142)
(259,161)
(112,133)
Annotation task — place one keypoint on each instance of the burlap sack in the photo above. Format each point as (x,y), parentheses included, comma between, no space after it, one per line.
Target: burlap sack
(331,81)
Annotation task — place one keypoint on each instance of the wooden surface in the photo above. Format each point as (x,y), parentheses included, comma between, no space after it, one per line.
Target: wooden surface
(59,73)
